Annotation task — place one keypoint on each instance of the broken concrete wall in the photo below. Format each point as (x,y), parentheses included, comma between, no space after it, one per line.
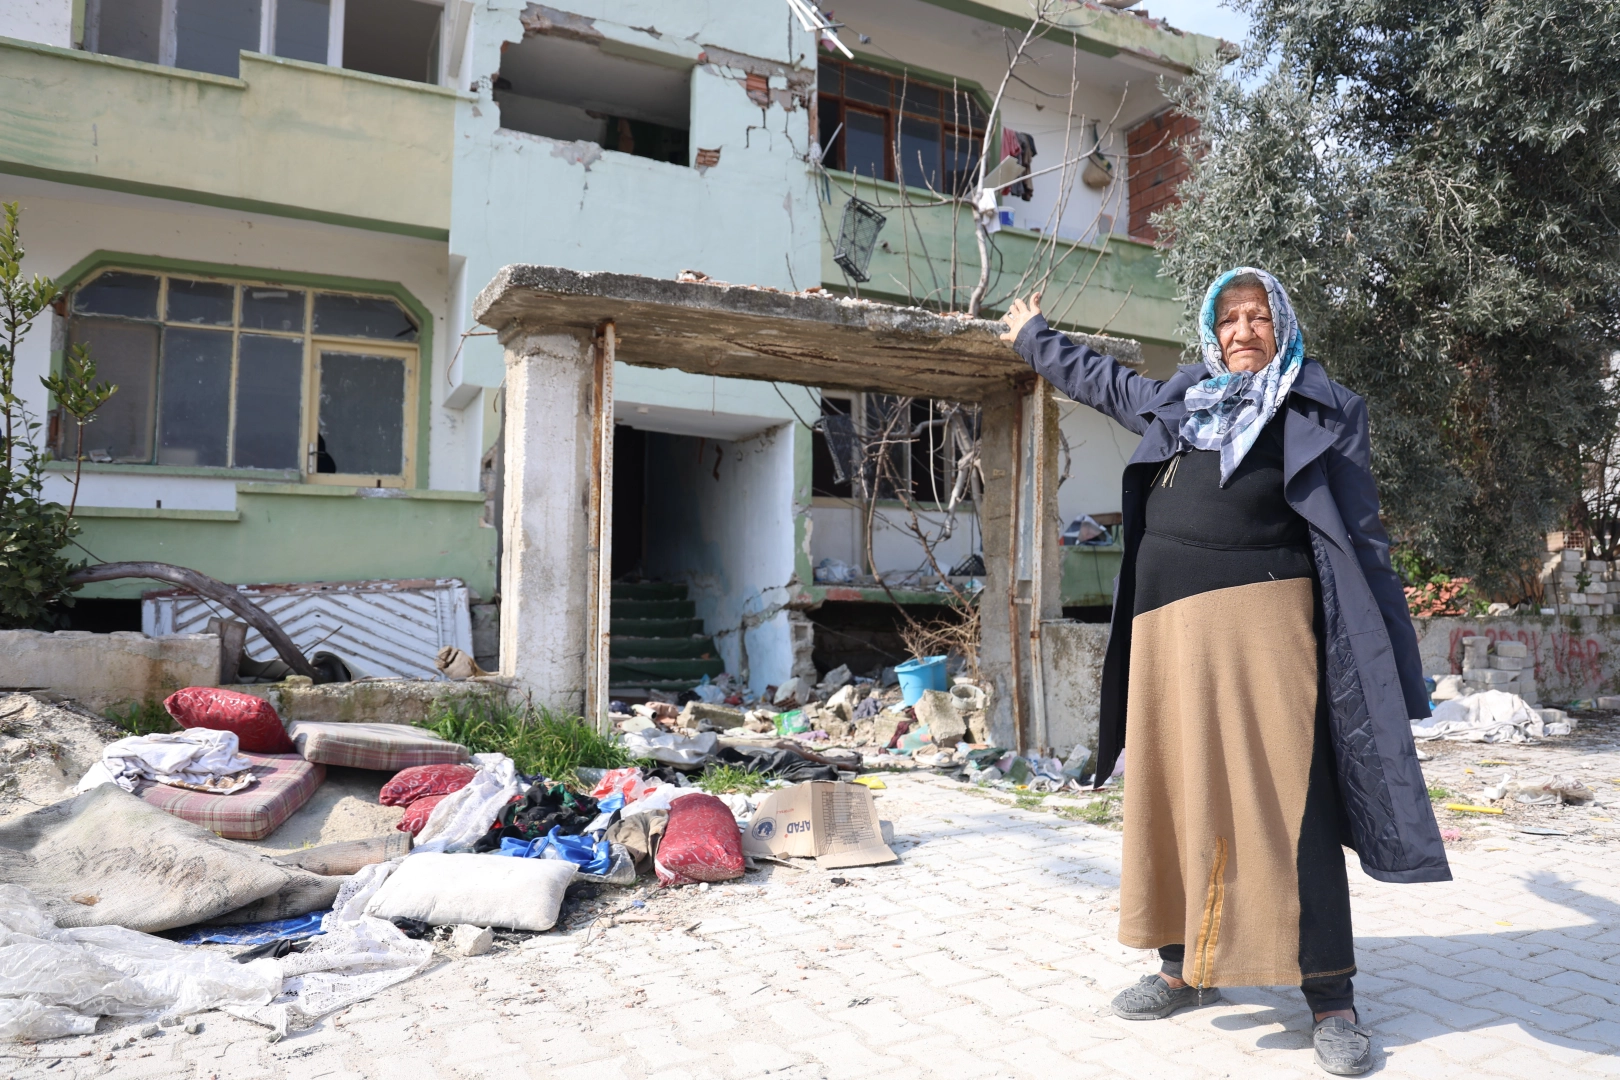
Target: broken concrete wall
(744,211)
(105,671)
(718,519)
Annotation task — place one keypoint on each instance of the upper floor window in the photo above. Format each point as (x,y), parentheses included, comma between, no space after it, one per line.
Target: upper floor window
(398,38)
(242,375)
(865,116)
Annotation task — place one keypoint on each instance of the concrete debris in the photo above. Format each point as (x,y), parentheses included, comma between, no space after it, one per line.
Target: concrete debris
(472,940)
(45,748)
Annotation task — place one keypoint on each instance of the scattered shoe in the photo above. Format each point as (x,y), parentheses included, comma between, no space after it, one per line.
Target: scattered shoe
(1151,998)
(1342,1048)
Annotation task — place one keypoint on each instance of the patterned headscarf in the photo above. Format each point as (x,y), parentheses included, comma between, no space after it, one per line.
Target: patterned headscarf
(1228,410)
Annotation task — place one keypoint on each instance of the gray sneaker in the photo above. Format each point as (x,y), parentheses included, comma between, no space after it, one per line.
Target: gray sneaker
(1342,1048)
(1151,998)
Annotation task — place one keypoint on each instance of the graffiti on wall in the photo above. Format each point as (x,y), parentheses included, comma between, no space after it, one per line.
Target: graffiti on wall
(1575,659)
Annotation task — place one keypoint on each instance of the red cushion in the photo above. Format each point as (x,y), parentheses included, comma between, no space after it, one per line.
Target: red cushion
(420,781)
(254,721)
(417,814)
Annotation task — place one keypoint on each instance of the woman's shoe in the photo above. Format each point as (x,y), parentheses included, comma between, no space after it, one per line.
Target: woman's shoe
(1151,998)
(1342,1048)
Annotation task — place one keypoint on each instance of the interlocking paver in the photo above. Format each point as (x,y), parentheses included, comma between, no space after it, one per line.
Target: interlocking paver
(987,952)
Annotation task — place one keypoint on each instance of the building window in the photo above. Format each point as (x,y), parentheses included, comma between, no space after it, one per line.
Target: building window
(910,435)
(572,91)
(244,375)
(862,114)
(397,38)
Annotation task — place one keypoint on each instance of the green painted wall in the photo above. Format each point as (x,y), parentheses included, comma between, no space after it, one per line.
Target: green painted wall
(1116,287)
(292,532)
(289,138)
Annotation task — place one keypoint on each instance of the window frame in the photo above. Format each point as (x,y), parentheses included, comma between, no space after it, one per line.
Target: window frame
(895,113)
(454,16)
(415,396)
(907,453)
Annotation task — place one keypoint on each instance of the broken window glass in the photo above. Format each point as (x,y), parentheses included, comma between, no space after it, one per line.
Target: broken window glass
(301,29)
(209,34)
(269,395)
(194,397)
(134,296)
(205,303)
(266,308)
(362,412)
(126,354)
(337,315)
(127,28)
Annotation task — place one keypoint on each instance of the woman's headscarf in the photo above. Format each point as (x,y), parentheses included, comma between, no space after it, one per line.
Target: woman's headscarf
(1227,411)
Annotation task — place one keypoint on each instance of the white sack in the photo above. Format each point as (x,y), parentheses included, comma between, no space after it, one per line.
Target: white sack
(57,982)
(484,890)
(464,816)
(196,757)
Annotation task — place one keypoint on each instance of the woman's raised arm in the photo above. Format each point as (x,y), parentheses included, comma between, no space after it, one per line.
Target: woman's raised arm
(1085,375)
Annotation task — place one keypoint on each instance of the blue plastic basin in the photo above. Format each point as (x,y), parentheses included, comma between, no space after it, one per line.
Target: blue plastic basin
(918,675)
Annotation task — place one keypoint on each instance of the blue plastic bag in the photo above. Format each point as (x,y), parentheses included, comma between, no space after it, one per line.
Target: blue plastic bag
(591,856)
(259,933)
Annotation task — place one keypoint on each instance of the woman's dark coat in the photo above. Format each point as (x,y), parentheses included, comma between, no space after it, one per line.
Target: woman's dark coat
(1374,679)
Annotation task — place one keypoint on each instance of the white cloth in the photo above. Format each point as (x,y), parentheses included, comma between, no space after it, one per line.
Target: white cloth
(463,816)
(1492,716)
(197,757)
(355,957)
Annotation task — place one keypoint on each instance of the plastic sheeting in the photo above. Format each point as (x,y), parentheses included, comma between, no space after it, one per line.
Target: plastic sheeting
(463,817)
(57,982)
(356,956)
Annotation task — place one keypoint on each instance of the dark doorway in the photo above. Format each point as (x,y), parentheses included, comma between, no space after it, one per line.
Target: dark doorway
(629,501)
(865,634)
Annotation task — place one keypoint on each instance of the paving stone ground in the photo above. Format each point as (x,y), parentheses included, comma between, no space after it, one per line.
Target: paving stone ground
(987,952)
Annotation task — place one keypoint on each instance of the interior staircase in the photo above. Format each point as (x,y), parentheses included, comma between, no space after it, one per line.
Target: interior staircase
(657,641)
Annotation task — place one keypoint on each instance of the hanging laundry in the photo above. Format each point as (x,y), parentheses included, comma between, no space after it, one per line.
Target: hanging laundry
(1020,147)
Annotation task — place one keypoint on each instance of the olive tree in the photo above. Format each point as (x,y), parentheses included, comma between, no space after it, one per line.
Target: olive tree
(1438,185)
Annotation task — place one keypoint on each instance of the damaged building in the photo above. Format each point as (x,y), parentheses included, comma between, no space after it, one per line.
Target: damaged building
(272,218)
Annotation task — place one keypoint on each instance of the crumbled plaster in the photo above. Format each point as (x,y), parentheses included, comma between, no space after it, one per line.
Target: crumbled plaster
(767,82)
(577,153)
(540,19)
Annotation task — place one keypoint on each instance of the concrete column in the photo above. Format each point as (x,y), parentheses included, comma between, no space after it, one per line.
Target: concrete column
(546,580)
(1011,460)
(998,422)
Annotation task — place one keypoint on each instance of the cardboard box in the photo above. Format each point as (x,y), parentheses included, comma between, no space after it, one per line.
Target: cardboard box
(835,822)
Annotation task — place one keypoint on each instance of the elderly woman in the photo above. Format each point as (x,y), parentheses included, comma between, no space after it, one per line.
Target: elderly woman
(1262,666)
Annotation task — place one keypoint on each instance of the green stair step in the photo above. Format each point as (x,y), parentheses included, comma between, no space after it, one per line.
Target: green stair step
(635,672)
(653,628)
(691,648)
(671,686)
(653,609)
(649,590)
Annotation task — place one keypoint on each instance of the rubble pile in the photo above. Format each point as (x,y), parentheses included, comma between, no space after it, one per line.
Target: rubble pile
(1490,665)
(44,748)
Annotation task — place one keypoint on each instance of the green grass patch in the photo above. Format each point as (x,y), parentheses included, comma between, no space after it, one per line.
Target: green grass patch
(143,718)
(1438,793)
(1029,802)
(537,739)
(729,779)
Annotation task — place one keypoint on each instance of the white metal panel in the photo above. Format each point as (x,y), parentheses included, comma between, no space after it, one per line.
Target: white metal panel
(382,628)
